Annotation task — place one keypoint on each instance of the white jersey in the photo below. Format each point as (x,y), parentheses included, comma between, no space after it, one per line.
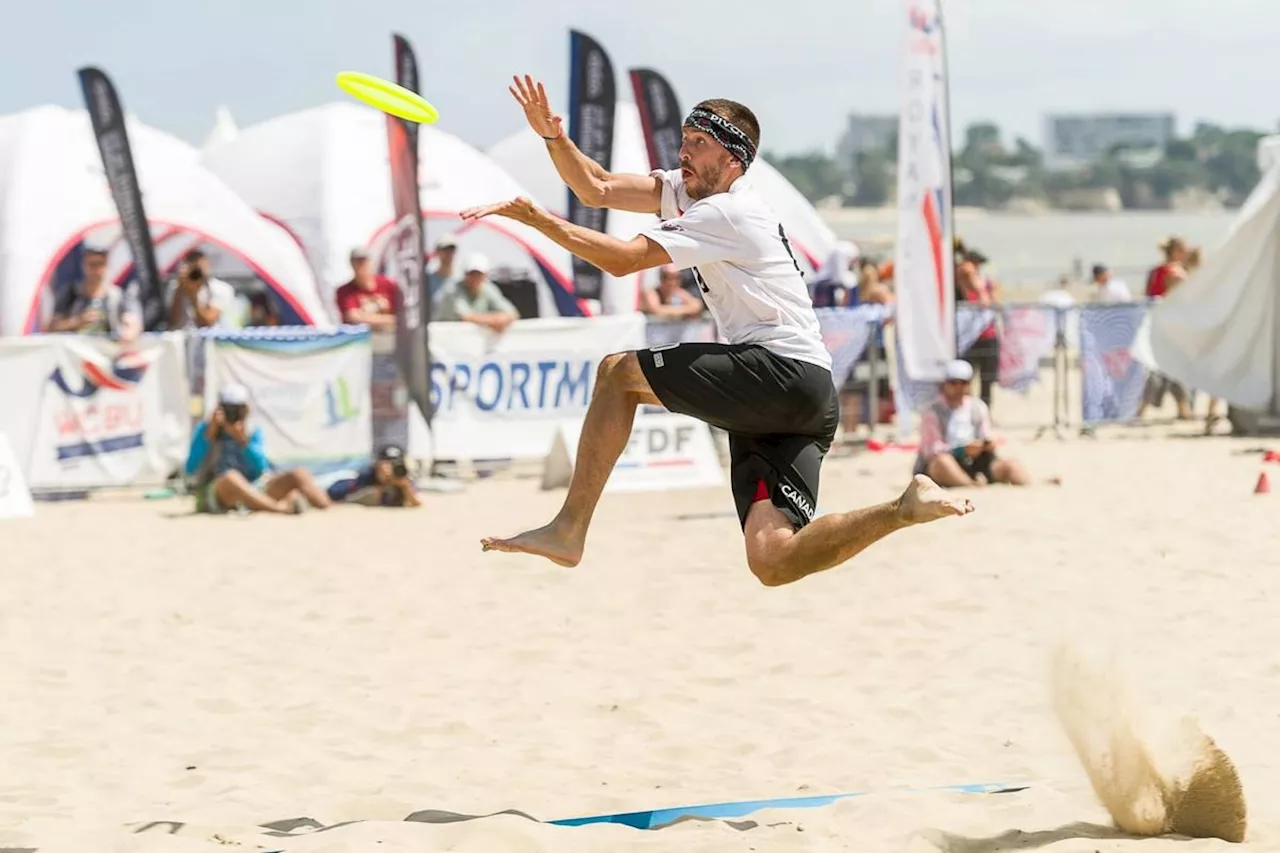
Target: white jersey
(749,277)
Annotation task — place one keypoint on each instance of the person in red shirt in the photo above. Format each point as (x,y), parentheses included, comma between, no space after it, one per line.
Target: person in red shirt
(370,299)
(1168,275)
(984,355)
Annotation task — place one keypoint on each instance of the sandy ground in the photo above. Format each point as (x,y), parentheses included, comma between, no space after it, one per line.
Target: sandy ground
(361,665)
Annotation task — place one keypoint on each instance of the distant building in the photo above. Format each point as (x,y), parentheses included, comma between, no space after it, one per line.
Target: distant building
(866,133)
(1072,141)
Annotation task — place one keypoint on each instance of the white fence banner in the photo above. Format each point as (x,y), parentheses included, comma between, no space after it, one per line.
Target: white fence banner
(309,391)
(87,412)
(501,396)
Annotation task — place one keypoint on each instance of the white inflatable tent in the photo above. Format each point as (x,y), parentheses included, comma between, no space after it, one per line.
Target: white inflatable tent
(324,173)
(1217,331)
(53,193)
(524,155)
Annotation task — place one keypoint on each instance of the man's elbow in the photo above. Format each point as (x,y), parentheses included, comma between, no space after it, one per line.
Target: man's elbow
(594,195)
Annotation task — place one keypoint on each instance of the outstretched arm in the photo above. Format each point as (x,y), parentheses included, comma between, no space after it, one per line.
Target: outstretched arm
(614,256)
(591,183)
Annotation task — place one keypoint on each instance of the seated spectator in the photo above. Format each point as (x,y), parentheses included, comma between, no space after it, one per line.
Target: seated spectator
(475,299)
(368,299)
(262,310)
(956,446)
(94,307)
(440,271)
(384,482)
(229,467)
(670,299)
(197,300)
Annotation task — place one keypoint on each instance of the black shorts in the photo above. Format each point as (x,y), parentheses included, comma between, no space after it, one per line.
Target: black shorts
(780,414)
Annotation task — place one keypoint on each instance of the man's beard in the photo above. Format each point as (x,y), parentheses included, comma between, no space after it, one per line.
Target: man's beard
(704,183)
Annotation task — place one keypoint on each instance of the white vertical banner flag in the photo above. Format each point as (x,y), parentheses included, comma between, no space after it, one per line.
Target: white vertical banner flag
(924,270)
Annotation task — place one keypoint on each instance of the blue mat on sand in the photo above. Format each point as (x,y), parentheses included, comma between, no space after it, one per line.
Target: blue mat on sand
(657,818)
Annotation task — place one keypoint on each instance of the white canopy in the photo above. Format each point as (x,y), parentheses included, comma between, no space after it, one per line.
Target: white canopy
(1217,331)
(53,193)
(325,174)
(224,128)
(524,155)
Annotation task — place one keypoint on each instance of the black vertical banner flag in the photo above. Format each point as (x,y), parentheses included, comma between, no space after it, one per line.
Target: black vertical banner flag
(593,96)
(107,117)
(660,117)
(405,252)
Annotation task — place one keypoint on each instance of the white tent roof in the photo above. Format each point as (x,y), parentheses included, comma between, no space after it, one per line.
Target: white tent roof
(224,128)
(524,155)
(53,191)
(1217,331)
(325,174)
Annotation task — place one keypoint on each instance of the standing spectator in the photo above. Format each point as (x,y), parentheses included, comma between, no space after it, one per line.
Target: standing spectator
(197,300)
(440,272)
(984,355)
(837,280)
(1110,288)
(670,299)
(1160,281)
(229,467)
(94,307)
(475,299)
(368,299)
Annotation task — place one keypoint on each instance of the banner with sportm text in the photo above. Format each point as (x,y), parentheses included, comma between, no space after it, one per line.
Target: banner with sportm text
(502,396)
(309,391)
(924,268)
(1112,381)
(85,412)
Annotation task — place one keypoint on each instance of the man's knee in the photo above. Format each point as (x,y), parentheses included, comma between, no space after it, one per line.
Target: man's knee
(766,557)
(621,371)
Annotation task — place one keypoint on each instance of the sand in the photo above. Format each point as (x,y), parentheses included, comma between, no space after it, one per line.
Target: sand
(362,665)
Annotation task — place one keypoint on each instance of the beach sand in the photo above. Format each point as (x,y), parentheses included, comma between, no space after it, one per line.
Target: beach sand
(362,665)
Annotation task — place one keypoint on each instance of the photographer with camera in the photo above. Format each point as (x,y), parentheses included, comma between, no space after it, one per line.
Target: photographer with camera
(197,300)
(385,482)
(229,468)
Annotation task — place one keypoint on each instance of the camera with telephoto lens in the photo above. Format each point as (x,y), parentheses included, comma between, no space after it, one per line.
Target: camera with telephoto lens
(195,273)
(233,413)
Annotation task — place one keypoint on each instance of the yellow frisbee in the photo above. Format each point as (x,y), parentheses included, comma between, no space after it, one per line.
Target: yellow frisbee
(388,97)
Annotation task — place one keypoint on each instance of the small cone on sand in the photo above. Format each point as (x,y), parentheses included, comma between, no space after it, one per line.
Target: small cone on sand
(1263,486)
(1181,784)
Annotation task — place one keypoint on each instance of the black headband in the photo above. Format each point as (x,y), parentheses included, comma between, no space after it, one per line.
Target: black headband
(725,132)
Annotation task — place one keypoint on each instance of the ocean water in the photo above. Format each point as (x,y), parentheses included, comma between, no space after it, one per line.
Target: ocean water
(1034,251)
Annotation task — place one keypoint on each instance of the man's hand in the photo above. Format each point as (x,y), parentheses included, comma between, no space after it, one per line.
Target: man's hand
(88,317)
(532,98)
(520,209)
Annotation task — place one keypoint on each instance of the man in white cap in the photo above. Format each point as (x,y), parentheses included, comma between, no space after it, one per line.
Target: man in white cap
(229,468)
(956,446)
(474,298)
(769,386)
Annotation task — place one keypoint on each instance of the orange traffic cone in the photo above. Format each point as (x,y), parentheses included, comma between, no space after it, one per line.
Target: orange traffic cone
(1264,485)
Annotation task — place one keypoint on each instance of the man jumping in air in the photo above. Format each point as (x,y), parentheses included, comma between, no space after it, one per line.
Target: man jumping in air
(769,388)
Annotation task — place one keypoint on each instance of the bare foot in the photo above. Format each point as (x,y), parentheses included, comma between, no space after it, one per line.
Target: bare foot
(546,541)
(925,501)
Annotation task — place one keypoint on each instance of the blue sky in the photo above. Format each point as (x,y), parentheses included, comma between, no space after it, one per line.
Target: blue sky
(802,65)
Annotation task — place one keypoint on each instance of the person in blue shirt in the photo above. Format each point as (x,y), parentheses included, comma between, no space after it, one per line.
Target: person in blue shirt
(229,468)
